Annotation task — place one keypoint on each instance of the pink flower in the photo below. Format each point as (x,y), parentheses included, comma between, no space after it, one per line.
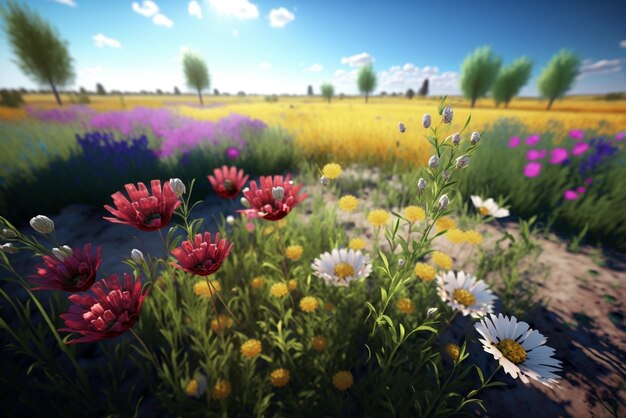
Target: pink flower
(558,155)
(532,169)
(534,154)
(570,195)
(228,181)
(250,226)
(532,140)
(514,141)
(580,148)
(577,134)
(588,181)
(265,204)
(620,135)
(202,256)
(74,274)
(580,190)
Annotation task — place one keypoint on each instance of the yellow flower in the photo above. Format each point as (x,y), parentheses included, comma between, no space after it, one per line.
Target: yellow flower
(192,388)
(196,386)
(294,252)
(473,237)
(221,323)
(282,223)
(268,230)
(279,290)
(319,342)
(257,282)
(356,244)
(348,203)
(414,214)
(378,217)
(201,288)
(425,271)
(251,348)
(405,305)
(453,351)
(331,171)
(443,261)
(292,284)
(309,304)
(455,236)
(444,223)
(221,389)
(329,307)
(279,377)
(342,380)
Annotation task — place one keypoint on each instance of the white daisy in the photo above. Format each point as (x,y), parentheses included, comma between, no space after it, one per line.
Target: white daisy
(489,207)
(519,349)
(341,267)
(466,294)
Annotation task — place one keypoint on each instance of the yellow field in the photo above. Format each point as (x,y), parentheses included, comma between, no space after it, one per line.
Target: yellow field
(353,129)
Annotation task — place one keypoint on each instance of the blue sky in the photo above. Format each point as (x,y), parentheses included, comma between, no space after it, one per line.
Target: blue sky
(283,46)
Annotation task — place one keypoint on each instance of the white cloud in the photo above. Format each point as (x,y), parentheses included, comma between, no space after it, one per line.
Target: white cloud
(240,9)
(265,65)
(162,20)
(147,8)
(623,44)
(102,41)
(605,66)
(358,60)
(315,68)
(70,3)
(235,33)
(194,9)
(280,17)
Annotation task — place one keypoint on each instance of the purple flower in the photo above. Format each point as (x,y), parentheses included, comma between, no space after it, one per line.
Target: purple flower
(558,155)
(577,134)
(514,142)
(620,135)
(532,169)
(588,181)
(581,190)
(232,152)
(536,154)
(532,140)
(580,148)
(570,195)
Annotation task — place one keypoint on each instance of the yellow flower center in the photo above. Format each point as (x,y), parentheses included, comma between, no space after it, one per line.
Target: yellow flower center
(356,244)
(453,351)
(464,297)
(512,350)
(343,380)
(483,211)
(343,270)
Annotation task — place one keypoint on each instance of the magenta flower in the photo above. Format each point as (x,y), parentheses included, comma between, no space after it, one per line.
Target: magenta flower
(232,152)
(514,141)
(570,195)
(558,155)
(581,190)
(620,135)
(534,154)
(250,226)
(74,274)
(532,140)
(532,169)
(577,134)
(580,148)
(202,256)
(588,181)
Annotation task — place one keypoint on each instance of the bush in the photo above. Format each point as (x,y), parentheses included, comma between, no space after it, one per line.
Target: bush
(11,98)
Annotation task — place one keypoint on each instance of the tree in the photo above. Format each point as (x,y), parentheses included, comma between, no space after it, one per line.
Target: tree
(41,54)
(159,92)
(410,93)
(216,92)
(478,72)
(328,91)
(100,89)
(366,80)
(196,73)
(510,80)
(423,91)
(176,91)
(309,90)
(559,75)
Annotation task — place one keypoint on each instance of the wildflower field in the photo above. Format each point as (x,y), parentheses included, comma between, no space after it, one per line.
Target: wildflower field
(298,258)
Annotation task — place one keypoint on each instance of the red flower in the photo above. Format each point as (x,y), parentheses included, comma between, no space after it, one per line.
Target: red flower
(144,211)
(74,274)
(109,309)
(228,182)
(202,257)
(264,204)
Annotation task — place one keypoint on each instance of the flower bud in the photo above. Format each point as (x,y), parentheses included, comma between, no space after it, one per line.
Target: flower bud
(136,255)
(443,202)
(421,184)
(230,220)
(401,127)
(178,187)
(8,233)
(401,262)
(456,138)
(8,248)
(433,162)
(245,203)
(42,224)
(324,180)
(63,252)
(475,138)
(462,161)
(431,312)
(278,193)
(446,175)
(447,114)
(426,120)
